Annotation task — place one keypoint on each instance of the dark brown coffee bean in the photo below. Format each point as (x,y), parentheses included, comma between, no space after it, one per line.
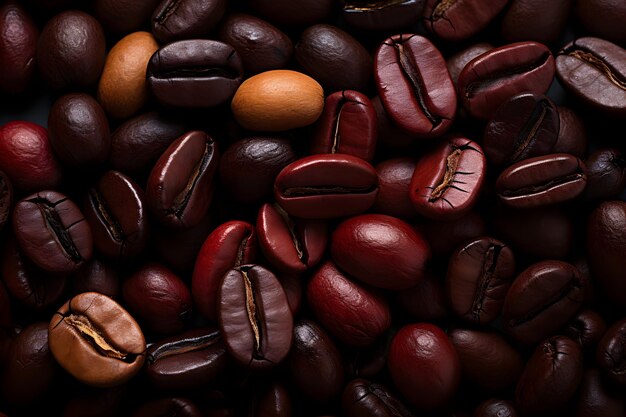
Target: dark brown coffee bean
(97,276)
(495,408)
(572,133)
(166,407)
(611,353)
(586,328)
(606,174)
(457,20)
(603,18)
(382,15)
(426,301)
(596,397)
(18,47)
(362,398)
(289,13)
(186,19)
(121,17)
(446,236)
(535,20)
(458,61)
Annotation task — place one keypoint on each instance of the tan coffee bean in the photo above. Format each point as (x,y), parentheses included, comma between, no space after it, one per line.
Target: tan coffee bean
(122,90)
(96,340)
(278,100)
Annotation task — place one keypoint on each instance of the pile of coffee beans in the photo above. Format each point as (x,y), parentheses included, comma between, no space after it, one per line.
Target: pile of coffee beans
(313,208)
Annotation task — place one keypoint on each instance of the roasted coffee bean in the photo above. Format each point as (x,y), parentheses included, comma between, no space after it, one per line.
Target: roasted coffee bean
(315,363)
(362,398)
(194,73)
(389,134)
(594,70)
(458,20)
(479,276)
(447,181)
(326,186)
(289,13)
(96,340)
(18,47)
(611,353)
(586,328)
(186,19)
(535,20)
(414,85)
(490,79)
(180,185)
(603,18)
(556,359)
(524,126)
(121,17)
(116,212)
(294,290)
(606,174)
(382,15)
(273,401)
(351,312)
(572,133)
(261,46)
(6,199)
(426,301)
(189,360)
(394,180)
(446,236)
(495,408)
(52,231)
(598,398)
(254,317)
(97,276)
(541,300)
(230,245)
(168,407)
(542,180)
(291,245)
(458,61)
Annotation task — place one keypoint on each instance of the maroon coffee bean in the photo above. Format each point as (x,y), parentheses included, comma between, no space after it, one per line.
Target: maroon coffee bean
(347,125)
(491,78)
(524,126)
(120,17)
(79,131)
(572,133)
(18,46)
(424,366)
(230,245)
(294,290)
(52,231)
(488,361)
(495,408)
(606,241)
(457,62)
(414,85)
(390,135)
(380,250)
(364,398)
(71,50)
(186,19)
(479,276)
(606,174)
(6,199)
(458,20)
(597,398)
(351,312)
(273,401)
(116,212)
(446,236)
(315,363)
(542,180)
(261,46)
(534,20)
(447,181)
(556,359)
(382,15)
(248,167)
(603,18)
(587,328)
(394,180)
(541,300)
(334,58)
(27,158)
(326,186)
(611,353)
(180,185)
(290,245)
(426,301)
(158,298)
(254,317)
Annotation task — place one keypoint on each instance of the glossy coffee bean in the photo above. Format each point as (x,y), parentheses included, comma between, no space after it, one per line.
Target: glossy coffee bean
(288,13)
(175,406)
(587,328)
(534,20)
(326,186)
(261,45)
(382,15)
(120,17)
(495,408)
(115,210)
(159,299)
(597,398)
(315,363)
(180,186)
(556,359)
(424,366)
(611,352)
(18,47)
(572,133)
(606,174)
(347,125)
(79,131)
(593,69)
(542,180)
(524,126)
(490,79)
(187,19)
(414,85)
(6,199)
(291,245)
(138,142)
(363,398)
(447,181)
(27,158)
(248,167)
(457,62)
(457,20)
(394,180)
(603,18)
(93,338)
(334,58)
(273,401)
(488,361)
(446,236)
(351,312)
(189,360)
(426,301)
(194,73)
(542,299)
(606,238)
(479,275)
(97,276)
(52,231)
(254,317)
(230,245)
(380,250)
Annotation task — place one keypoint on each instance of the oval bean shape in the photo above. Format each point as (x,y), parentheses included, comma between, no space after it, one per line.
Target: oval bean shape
(611,353)
(365,398)
(186,19)
(460,19)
